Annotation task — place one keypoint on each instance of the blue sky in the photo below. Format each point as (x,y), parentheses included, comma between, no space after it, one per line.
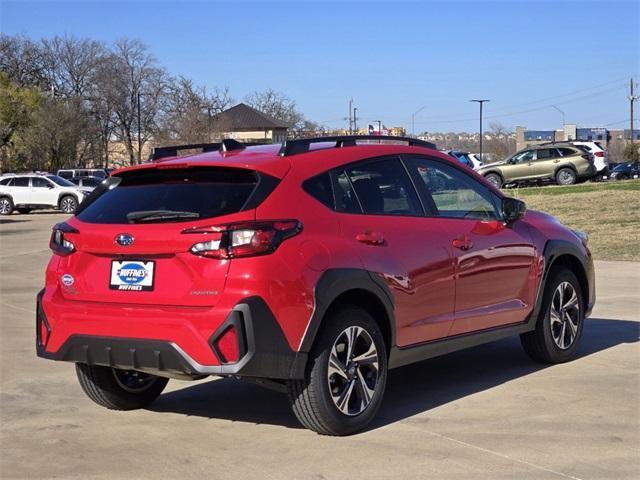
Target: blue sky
(391,57)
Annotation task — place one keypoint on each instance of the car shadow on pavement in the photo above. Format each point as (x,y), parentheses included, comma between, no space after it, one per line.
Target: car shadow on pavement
(410,390)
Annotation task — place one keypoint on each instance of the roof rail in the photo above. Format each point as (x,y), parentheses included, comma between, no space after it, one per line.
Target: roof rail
(294,147)
(227,145)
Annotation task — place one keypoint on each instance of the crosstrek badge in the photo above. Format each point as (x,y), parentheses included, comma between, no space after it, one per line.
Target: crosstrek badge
(132,275)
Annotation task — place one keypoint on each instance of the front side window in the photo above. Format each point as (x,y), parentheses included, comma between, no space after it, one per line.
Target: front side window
(454,193)
(523,157)
(383,187)
(39,182)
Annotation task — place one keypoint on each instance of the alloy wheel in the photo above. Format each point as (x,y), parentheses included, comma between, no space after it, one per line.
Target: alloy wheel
(133,381)
(565,315)
(353,373)
(68,205)
(5,206)
(565,177)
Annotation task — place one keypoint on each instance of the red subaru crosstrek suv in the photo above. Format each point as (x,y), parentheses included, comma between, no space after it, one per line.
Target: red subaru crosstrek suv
(314,267)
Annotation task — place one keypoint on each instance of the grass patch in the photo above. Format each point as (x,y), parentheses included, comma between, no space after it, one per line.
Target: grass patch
(608,212)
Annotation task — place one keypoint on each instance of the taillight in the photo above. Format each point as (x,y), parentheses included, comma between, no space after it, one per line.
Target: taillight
(246,239)
(59,243)
(599,154)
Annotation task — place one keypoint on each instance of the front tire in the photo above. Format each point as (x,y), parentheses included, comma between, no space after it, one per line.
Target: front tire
(6,206)
(559,326)
(494,179)
(118,389)
(68,204)
(346,375)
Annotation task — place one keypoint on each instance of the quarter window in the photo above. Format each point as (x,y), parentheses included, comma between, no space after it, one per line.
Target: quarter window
(319,187)
(454,193)
(39,182)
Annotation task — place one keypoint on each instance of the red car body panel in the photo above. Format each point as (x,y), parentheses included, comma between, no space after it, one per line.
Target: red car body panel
(438,290)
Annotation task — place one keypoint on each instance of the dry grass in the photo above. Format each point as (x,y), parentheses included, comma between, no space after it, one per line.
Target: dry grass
(608,212)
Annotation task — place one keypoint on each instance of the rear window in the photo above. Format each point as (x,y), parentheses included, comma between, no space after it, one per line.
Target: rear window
(171,195)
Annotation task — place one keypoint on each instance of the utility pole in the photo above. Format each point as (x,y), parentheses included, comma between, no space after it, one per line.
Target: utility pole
(480,101)
(355,120)
(139,137)
(350,111)
(632,98)
(413,120)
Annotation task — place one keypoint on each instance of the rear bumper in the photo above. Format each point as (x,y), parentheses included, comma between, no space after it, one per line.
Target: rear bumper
(262,346)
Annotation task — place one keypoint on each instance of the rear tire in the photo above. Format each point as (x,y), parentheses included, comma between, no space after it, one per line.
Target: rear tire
(346,375)
(118,389)
(560,322)
(566,176)
(68,204)
(494,179)
(6,206)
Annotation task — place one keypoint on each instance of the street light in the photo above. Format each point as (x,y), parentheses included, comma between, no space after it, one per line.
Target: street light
(480,101)
(413,120)
(561,113)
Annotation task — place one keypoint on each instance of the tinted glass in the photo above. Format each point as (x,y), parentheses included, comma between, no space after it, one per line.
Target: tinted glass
(90,182)
(195,193)
(20,182)
(5,181)
(63,182)
(567,152)
(38,182)
(454,193)
(75,180)
(319,187)
(383,187)
(65,173)
(544,154)
(346,200)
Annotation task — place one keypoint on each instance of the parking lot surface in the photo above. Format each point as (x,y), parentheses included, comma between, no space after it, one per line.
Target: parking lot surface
(487,412)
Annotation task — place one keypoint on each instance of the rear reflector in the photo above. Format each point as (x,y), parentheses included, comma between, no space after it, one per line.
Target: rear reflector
(227,345)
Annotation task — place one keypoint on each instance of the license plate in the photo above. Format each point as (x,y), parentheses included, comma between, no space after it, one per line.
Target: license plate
(132,275)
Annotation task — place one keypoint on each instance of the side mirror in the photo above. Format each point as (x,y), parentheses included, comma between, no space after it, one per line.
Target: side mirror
(49,186)
(513,209)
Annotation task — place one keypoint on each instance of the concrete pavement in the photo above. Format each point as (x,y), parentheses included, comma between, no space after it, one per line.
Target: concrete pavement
(487,412)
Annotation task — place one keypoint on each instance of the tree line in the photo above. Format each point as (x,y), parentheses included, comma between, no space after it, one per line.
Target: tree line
(67,101)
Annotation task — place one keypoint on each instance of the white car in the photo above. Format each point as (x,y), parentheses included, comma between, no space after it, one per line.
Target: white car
(26,192)
(600,158)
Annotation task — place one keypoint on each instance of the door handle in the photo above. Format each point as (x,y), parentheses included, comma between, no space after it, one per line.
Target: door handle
(370,238)
(556,161)
(462,242)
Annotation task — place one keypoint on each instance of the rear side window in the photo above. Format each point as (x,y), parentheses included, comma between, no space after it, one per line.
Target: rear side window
(5,181)
(20,182)
(173,195)
(383,187)
(319,187)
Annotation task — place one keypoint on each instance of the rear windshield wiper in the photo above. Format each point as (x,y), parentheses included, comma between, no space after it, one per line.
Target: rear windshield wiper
(159,216)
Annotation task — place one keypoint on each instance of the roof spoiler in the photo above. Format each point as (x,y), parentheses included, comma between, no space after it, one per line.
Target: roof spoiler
(294,147)
(227,145)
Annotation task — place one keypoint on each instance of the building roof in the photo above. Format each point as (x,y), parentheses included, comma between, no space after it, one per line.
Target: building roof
(244,117)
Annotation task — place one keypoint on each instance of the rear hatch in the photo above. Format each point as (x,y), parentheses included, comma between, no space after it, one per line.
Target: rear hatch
(129,243)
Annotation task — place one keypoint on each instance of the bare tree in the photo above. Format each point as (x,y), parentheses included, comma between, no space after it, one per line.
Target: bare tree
(134,86)
(22,61)
(279,106)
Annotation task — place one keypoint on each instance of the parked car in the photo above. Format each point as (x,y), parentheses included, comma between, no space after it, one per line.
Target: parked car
(292,266)
(466,158)
(563,163)
(86,182)
(600,158)
(626,171)
(28,192)
(69,173)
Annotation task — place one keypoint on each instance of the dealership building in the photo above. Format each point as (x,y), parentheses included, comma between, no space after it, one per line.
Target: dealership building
(571,132)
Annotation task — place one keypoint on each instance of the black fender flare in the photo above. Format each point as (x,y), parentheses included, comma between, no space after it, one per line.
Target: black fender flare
(336,282)
(68,194)
(553,250)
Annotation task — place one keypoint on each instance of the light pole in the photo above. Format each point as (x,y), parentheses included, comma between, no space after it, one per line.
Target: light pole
(413,120)
(480,101)
(561,113)
(355,120)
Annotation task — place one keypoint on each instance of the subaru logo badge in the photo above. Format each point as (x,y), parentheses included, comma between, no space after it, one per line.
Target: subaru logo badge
(67,280)
(124,239)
